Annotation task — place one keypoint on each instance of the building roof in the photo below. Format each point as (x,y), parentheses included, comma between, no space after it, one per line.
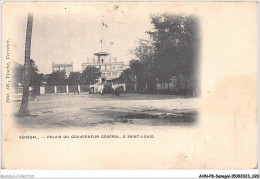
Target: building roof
(99,63)
(62,64)
(101,54)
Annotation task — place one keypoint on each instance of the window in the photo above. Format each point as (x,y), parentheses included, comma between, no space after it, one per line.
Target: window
(120,67)
(56,68)
(68,69)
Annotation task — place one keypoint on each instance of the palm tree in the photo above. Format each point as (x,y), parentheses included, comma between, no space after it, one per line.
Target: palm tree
(24,110)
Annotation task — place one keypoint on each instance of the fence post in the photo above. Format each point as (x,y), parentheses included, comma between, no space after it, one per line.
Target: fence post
(55,89)
(79,88)
(124,87)
(67,89)
(42,90)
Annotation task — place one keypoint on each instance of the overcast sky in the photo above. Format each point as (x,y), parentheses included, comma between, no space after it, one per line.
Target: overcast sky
(228,34)
(64,33)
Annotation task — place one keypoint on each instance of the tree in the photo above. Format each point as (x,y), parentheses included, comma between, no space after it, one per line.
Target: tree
(144,65)
(90,75)
(36,79)
(127,76)
(57,78)
(74,78)
(138,69)
(171,51)
(176,45)
(24,110)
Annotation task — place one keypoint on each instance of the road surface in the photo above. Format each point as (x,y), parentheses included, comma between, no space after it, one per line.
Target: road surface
(91,110)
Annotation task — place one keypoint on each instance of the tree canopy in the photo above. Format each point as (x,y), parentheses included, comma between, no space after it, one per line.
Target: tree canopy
(127,76)
(172,50)
(57,78)
(90,75)
(176,44)
(36,78)
(74,78)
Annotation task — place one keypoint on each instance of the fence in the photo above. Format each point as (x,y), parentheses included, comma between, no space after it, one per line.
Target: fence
(186,86)
(17,90)
(73,88)
(40,90)
(84,88)
(61,89)
(49,89)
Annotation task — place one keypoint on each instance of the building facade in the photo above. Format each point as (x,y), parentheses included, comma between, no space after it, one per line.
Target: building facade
(68,67)
(109,67)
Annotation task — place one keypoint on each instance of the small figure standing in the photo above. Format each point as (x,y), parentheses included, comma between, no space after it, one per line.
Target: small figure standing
(76,90)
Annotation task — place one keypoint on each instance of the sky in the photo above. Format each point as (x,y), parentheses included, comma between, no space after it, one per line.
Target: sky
(70,31)
(65,33)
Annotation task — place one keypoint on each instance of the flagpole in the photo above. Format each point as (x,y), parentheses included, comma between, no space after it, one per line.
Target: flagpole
(102,25)
(101,38)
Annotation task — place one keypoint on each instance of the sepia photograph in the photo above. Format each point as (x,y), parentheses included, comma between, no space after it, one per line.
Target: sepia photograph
(152,81)
(129,85)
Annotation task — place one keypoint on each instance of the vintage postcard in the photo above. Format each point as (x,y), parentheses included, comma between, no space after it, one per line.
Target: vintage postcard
(129,85)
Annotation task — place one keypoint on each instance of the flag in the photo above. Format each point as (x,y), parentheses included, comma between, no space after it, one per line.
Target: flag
(105,25)
(116,7)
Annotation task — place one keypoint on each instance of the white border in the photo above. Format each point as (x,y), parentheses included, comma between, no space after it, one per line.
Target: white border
(123,173)
(126,173)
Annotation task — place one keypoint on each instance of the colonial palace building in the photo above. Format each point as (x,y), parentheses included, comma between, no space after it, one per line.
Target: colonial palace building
(109,68)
